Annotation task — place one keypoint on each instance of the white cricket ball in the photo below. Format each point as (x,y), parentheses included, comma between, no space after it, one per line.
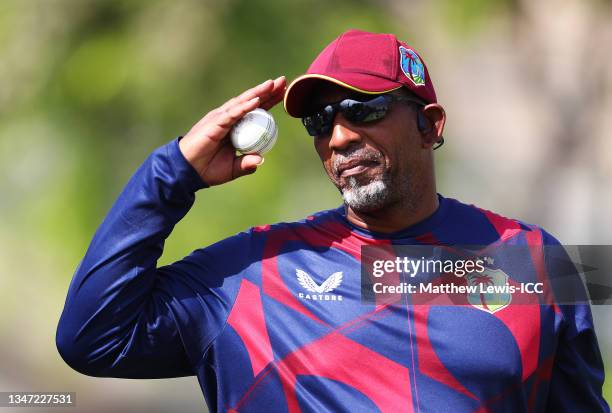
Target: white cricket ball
(255,133)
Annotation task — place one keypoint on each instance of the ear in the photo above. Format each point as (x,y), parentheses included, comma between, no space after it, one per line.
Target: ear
(431,122)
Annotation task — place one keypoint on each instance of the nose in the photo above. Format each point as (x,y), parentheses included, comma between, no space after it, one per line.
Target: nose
(343,134)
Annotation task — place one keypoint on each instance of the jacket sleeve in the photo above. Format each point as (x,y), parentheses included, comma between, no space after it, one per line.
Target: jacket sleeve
(123,317)
(577,374)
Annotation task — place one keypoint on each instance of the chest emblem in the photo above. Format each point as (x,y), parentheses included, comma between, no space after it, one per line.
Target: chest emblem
(491,293)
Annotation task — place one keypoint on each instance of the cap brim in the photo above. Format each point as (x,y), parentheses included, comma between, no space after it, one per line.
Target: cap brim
(298,92)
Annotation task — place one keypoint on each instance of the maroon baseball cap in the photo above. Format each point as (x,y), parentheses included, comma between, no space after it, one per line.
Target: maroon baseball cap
(371,63)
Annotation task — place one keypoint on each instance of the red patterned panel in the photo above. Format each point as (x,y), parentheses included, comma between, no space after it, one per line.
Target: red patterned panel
(247,319)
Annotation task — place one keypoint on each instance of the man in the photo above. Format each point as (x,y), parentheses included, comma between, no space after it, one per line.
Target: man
(271,319)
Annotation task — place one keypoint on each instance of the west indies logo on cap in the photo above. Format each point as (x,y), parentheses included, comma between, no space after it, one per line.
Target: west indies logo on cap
(412,66)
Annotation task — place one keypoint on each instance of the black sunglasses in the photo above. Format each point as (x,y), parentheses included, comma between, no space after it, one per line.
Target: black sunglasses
(355,111)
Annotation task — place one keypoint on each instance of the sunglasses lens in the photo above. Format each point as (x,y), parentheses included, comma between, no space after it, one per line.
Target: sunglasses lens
(355,111)
(309,123)
(364,112)
(319,123)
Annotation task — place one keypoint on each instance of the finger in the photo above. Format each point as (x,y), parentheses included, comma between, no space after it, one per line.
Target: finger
(262,91)
(279,86)
(246,164)
(273,101)
(217,126)
(228,118)
(276,95)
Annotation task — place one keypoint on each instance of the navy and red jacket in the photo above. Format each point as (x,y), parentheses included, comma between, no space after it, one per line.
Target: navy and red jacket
(240,317)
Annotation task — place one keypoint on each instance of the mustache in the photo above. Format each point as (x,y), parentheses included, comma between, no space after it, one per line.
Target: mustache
(358,154)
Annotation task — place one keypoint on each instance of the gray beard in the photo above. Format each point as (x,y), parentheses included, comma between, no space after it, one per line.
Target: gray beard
(366,198)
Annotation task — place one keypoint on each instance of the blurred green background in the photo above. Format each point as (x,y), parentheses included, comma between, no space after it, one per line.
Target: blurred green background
(89,88)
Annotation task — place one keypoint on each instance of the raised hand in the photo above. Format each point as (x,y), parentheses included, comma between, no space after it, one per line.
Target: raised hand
(207,147)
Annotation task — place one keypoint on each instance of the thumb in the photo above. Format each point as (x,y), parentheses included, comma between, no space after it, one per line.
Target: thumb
(246,164)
